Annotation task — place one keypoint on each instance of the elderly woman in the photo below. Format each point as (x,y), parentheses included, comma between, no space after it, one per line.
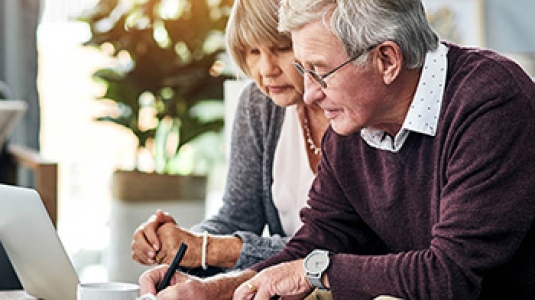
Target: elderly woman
(274,155)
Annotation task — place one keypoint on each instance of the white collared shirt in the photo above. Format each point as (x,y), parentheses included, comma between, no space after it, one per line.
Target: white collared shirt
(424,110)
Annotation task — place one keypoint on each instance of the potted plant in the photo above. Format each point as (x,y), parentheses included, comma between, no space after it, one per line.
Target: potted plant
(166,66)
(164,84)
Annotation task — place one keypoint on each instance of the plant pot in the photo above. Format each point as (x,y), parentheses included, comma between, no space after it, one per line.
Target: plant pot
(135,186)
(136,196)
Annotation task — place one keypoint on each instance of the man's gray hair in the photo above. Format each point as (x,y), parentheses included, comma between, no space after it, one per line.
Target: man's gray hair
(360,24)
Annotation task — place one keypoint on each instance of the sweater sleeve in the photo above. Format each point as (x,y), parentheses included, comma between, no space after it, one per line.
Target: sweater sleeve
(247,206)
(482,240)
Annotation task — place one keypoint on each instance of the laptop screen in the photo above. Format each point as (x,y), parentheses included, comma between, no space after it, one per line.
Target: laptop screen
(33,245)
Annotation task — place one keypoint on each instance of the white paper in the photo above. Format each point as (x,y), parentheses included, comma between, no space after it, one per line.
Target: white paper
(147,297)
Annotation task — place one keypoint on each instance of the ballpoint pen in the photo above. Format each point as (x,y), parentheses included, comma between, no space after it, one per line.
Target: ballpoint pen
(173,267)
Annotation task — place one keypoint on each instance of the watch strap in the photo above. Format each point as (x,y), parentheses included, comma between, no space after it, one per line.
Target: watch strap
(316,281)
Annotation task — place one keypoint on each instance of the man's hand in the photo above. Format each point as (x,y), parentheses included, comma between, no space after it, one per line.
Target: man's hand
(183,286)
(145,243)
(287,280)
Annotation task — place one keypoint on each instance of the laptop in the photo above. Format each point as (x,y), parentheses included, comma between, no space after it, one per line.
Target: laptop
(34,247)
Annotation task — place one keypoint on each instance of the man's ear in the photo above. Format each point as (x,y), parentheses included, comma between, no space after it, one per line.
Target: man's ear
(389,61)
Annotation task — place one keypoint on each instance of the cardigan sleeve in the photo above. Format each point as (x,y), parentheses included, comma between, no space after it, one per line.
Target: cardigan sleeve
(247,204)
(257,248)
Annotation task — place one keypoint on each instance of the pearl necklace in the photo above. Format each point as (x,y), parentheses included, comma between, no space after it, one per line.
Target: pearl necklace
(310,141)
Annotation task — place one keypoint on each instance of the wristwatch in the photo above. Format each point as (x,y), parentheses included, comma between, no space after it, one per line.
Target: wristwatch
(315,264)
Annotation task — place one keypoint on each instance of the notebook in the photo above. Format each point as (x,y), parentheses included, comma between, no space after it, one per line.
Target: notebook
(34,247)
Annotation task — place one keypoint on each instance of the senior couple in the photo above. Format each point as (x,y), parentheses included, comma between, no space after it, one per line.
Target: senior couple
(425,187)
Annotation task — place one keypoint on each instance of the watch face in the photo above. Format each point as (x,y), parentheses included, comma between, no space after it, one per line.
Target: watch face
(316,262)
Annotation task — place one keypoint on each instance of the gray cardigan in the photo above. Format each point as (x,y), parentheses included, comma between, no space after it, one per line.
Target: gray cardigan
(247,201)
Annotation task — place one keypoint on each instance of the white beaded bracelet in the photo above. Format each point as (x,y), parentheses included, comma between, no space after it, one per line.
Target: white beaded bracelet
(204,246)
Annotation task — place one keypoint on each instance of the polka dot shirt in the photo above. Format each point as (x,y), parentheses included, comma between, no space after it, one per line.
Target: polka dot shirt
(424,111)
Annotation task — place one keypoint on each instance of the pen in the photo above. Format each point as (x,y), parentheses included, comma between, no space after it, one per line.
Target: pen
(172,268)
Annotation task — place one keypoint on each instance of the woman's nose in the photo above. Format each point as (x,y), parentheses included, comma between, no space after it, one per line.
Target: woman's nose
(269,66)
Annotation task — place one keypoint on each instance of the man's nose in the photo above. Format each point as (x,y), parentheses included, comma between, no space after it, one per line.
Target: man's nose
(313,91)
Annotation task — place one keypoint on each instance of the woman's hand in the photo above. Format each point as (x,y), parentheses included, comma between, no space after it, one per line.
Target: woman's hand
(221,250)
(146,243)
(172,236)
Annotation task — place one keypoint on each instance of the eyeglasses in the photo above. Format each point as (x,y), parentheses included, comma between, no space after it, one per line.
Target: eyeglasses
(321,78)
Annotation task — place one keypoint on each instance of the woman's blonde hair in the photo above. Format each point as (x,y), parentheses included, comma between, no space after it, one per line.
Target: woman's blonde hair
(253,22)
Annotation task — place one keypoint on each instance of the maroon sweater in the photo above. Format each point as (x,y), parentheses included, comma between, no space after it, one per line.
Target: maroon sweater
(447,217)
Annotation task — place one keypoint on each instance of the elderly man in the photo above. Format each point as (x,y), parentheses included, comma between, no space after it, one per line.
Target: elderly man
(426,185)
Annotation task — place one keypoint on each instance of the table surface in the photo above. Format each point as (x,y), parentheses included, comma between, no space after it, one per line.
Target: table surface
(15,295)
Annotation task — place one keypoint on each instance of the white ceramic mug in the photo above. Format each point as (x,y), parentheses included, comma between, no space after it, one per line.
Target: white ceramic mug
(108,291)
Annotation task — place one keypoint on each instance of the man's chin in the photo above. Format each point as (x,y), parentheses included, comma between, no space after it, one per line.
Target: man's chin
(343,129)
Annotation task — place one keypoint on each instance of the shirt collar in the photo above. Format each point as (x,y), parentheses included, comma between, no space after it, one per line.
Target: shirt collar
(424,110)
(423,113)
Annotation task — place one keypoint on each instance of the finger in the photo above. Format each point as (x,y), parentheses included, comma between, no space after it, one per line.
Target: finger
(143,259)
(162,257)
(263,293)
(142,249)
(175,290)
(170,293)
(145,234)
(150,233)
(163,217)
(244,292)
(151,237)
(150,279)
